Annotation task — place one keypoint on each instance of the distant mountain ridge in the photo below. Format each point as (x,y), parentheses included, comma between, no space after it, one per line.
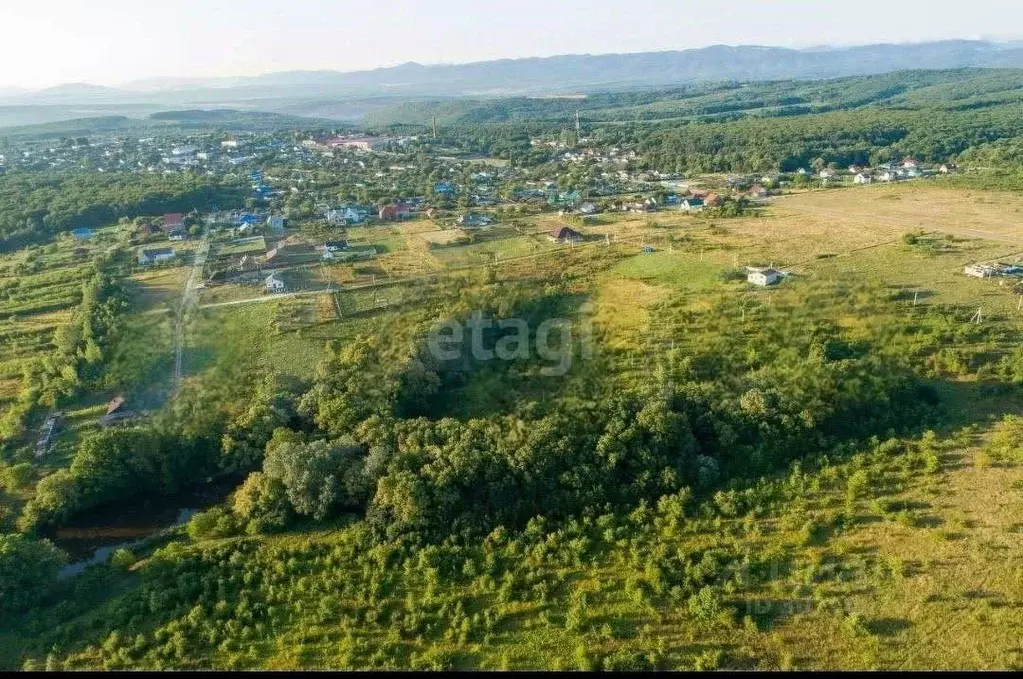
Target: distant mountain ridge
(546,75)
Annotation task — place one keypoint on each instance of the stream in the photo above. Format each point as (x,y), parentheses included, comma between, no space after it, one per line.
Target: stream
(91,538)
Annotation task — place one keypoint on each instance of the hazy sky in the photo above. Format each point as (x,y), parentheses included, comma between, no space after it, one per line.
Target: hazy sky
(46,42)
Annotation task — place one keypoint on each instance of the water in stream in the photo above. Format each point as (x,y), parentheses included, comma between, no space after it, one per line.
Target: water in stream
(91,538)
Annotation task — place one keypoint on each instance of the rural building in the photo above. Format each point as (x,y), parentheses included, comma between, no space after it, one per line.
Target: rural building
(333,248)
(116,411)
(979,270)
(177,234)
(474,220)
(394,212)
(763,277)
(175,220)
(274,284)
(275,223)
(359,143)
(46,438)
(862,178)
(948,168)
(692,204)
(758,191)
(156,255)
(82,233)
(564,234)
(444,189)
(347,215)
(712,200)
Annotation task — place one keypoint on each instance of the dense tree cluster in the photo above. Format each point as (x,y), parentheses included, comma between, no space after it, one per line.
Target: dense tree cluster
(36,206)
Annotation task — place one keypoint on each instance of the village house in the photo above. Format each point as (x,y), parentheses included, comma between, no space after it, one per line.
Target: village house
(712,200)
(331,248)
(274,284)
(177,234)
(692,204)
(172,221)
(948,168)
(275,223)
(862,178)
(395,212)
(564,234)
(758,191)
(156,255)
(474,220)
(348,215)
(762,277)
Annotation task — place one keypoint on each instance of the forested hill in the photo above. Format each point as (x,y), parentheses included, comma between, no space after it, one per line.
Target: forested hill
(959,89)
(167,121)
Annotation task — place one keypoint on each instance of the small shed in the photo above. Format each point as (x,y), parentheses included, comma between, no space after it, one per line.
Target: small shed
(763,277)
(565,234)
(274,284)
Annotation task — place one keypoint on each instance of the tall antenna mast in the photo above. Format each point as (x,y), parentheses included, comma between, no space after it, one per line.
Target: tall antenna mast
(435,128)
(577,126)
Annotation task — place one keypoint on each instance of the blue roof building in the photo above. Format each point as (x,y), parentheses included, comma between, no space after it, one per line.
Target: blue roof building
(82,233)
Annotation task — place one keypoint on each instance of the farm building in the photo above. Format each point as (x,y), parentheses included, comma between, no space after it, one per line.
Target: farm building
(82,233)
(762,277)
(394,212)
(177,234)
(473,220)
(172,221)
(117,411)
(862,178)
(274,284)
(980,270)
(275,223)
(156,255)
(693,204)
(564,234)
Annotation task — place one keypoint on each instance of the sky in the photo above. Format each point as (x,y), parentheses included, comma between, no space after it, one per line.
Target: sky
(110,42)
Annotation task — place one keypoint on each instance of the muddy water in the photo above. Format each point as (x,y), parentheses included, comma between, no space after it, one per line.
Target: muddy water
(91,538)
